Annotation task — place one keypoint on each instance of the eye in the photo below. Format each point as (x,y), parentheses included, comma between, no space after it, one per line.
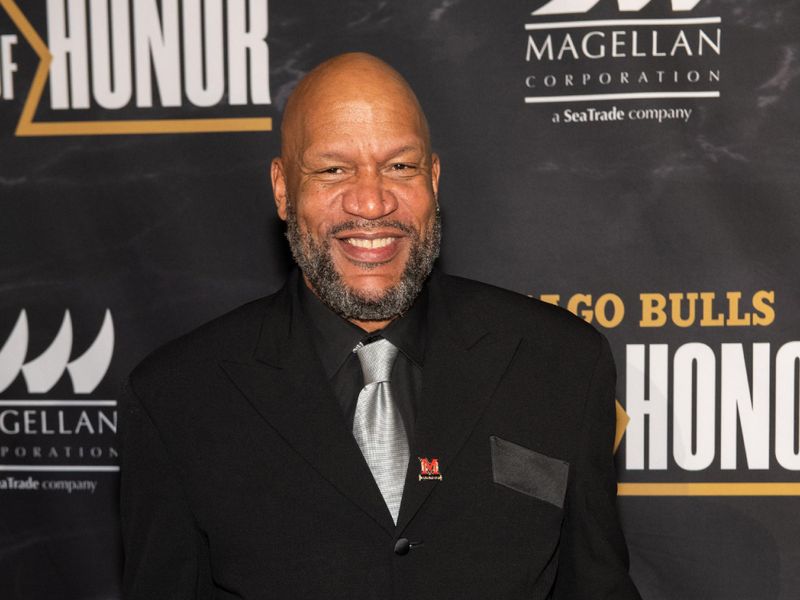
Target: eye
(402,167)
(332,171)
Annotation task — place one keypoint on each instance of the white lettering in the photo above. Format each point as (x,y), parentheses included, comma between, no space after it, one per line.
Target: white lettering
(14,430)
(7,66)
(704,40)
(248,41)
(84,423)
(752,410)
(198,27)
(585,45)
(69,71)
(111,90)
(693,427)
(160,42)
(568,46)
(787,365)
(681,42)
(653,408)
(547,48)
(618,43)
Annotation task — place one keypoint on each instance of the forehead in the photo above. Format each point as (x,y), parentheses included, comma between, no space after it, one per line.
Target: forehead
(362,123)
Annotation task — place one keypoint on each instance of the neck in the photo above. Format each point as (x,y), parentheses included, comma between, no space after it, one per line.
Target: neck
(368,326)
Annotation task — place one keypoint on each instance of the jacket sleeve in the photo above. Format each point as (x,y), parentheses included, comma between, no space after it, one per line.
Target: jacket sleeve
(593,556)
(166,555)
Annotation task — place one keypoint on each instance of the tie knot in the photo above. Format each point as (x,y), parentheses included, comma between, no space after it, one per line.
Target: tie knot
(377,359)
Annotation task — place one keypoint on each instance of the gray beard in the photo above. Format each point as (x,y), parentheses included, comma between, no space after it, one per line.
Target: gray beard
(317,265)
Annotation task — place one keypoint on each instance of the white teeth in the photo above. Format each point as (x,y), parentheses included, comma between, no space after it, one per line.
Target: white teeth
(365,243)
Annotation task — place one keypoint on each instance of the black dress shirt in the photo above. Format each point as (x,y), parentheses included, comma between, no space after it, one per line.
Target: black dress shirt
(335,338)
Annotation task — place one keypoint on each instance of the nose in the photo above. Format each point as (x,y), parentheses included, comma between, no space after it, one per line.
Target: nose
(368,198)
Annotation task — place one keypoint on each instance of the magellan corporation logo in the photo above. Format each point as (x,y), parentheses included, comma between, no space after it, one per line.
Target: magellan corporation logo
(75,433)
(139,66)
(666,54)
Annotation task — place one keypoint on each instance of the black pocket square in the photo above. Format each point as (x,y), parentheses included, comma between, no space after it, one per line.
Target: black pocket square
(529,472)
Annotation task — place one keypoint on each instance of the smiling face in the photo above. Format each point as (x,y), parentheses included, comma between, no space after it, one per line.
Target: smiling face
(357,184)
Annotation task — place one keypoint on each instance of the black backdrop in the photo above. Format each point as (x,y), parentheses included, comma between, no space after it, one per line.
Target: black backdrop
(111,209)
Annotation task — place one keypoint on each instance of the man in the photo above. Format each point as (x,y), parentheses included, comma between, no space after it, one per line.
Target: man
(372,430)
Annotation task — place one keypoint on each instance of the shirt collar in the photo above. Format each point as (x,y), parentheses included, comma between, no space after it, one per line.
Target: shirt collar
(335,337)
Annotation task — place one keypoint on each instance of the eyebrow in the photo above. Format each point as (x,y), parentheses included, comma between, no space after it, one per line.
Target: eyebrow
(338,156)
(403,150)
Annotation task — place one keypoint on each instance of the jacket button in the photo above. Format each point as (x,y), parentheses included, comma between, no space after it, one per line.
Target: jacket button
(401,547)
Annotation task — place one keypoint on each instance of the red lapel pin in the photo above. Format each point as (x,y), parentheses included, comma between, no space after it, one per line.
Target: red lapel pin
(429,469)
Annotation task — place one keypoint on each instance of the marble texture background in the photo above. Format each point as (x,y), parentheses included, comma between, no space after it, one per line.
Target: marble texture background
(169,231)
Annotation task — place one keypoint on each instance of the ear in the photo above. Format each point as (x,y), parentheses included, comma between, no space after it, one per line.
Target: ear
(278,176)
(435,170)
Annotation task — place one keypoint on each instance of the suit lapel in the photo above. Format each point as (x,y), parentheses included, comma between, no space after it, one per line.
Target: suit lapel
(287,387)
(463,365)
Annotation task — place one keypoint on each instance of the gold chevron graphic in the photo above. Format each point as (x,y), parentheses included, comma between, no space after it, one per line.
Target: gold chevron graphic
(28,127)
(622,420)
(743,488)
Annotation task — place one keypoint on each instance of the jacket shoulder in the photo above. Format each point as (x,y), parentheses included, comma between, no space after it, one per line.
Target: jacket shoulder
(504,310)
(232,335)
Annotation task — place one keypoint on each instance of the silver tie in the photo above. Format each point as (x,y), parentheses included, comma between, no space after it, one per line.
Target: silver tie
(378,427)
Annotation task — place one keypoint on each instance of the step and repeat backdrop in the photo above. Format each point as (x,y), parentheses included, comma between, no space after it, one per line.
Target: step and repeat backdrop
(633,161)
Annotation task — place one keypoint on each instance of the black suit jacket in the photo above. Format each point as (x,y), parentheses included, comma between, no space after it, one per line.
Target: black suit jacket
(241,480)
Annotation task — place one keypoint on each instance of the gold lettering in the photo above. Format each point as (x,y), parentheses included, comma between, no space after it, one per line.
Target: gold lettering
(600,310)
(675,305)
(763,301)
(734,319)
(709,320)
(581,299)
(550,298)
(653,314)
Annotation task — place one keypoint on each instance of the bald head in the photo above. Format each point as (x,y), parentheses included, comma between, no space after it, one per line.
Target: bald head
(357,79)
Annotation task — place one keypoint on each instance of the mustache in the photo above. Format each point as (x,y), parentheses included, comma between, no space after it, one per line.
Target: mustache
(366,225)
